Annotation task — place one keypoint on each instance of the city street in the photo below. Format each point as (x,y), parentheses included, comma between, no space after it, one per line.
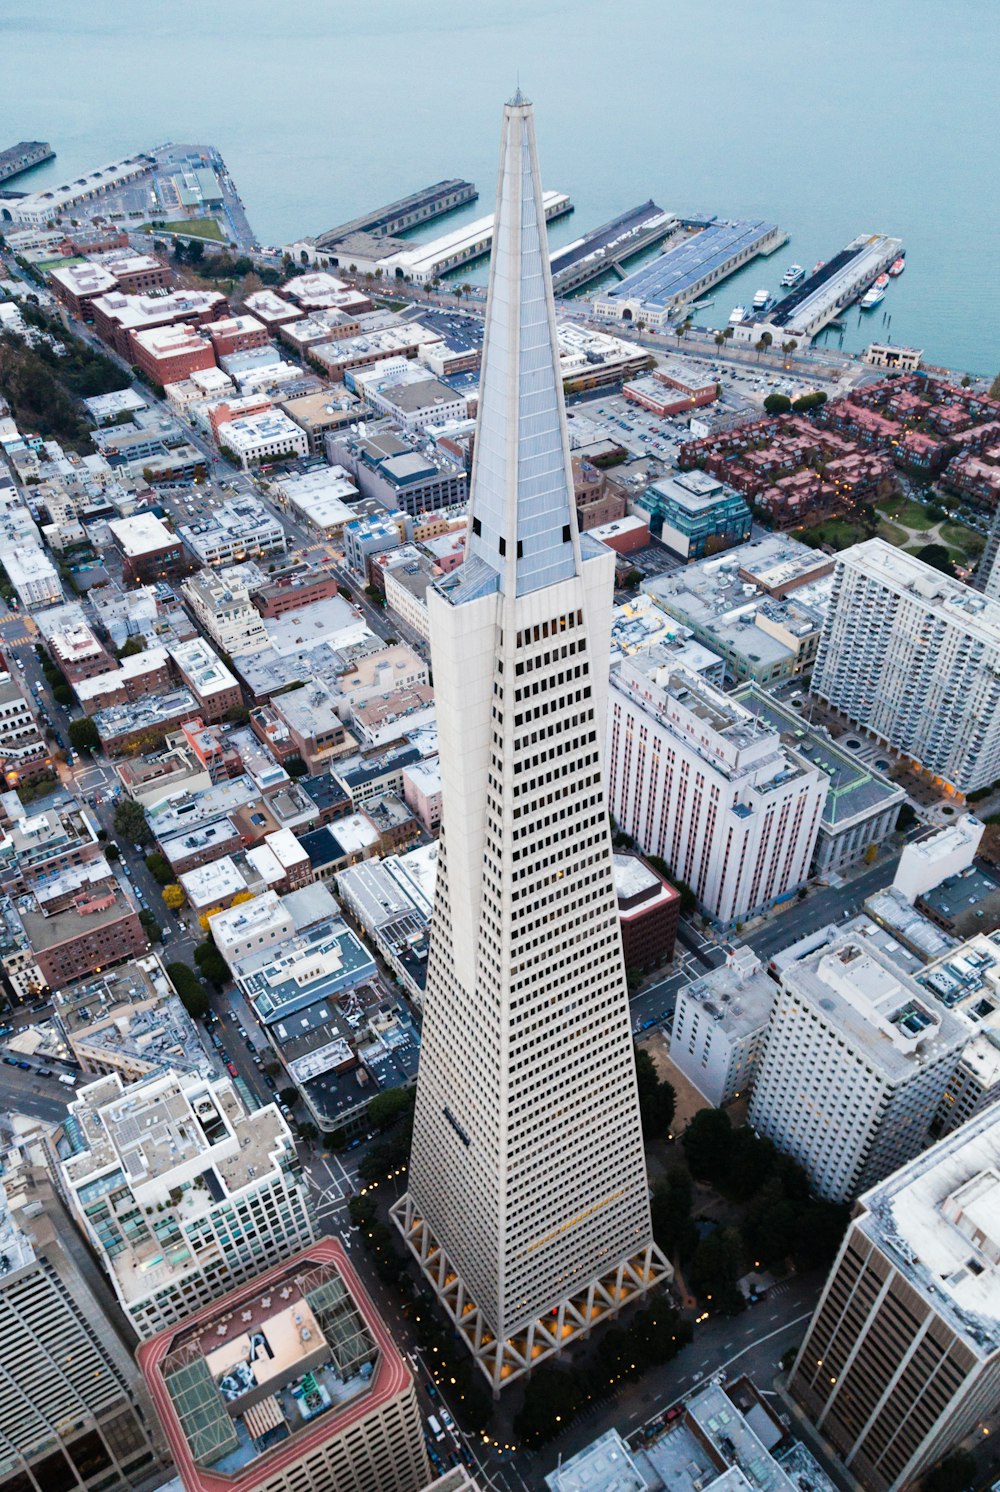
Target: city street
(822,905)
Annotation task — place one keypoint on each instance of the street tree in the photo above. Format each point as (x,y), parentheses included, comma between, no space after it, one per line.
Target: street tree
(83,735)
(130,820)
(173,896)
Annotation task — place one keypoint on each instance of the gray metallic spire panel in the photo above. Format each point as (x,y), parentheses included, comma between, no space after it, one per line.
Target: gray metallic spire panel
(523,522)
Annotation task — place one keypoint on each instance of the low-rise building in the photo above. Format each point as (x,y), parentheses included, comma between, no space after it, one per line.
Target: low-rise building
(649,910)
(149,549)
(322,414)
(136,676)
(221,605)
(422,792)
(168,354)
(207,677)
(260,438)
(146,722)
(236,334)
(388,717)
(81,919)
(128,1020)
(36,846)
(398,474)
(76,650)
(325,498)
(33,576)
(695,515)
(720,1025)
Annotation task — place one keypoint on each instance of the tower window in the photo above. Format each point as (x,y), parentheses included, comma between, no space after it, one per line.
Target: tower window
(565,533)
(477,527)
(503,546)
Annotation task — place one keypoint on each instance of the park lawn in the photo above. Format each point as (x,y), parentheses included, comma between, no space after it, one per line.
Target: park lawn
(892,533)
(196,227)
(838,533)
(914,515)
(966,540)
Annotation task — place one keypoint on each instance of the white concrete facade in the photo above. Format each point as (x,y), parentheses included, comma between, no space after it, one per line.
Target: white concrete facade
(720,1022)
(528,1208)
(913,658)
(856,1063)
(695,778)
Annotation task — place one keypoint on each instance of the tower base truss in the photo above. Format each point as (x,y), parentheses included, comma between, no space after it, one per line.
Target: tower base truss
(568,1321)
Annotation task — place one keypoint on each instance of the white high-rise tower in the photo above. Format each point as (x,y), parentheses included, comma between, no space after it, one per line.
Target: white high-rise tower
(528,1208)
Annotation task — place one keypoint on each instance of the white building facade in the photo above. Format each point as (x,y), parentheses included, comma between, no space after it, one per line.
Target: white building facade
(180,1191)
(697,779)
(913,658)
(527,1205)
(719,1027)
(856,1062)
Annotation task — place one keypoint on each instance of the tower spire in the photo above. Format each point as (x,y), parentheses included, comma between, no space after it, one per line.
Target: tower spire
(528,1208)
(522,517)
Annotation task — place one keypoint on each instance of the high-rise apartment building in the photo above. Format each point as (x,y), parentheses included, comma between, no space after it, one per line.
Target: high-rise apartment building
(914,658)
(74,1413)
(182,1193)
(291,1383)
(856,1061)
(987,577)
(528,1208)
(902,1357)
(710,787)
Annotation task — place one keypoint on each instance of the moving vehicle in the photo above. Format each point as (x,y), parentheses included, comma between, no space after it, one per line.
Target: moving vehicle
(434,1425)
(793,274)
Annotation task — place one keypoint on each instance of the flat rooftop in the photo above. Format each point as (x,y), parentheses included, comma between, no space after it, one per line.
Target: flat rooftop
(269,1372)
(684,264)
(938,1220)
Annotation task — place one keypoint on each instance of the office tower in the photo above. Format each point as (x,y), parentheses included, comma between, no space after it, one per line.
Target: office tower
(527,1208)
(856,1061)
(289,1384)
(181,1192)
(74,1413)
(709,786)
(913,658)
(902,1356)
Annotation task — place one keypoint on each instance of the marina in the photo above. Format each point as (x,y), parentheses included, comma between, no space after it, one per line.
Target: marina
(688,267)
(420,207)
(609,246)
(818,299)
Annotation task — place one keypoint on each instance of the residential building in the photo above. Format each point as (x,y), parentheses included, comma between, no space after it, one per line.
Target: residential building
(75,1413)
(856,1062)
(145,723)
(938,857)
(861,806)
(720,1025)
(422,792)
(33,576)
(207,677)
(76,285)
(623,535)
(696,778)
(23,752)
(148,548)
(316,732)
(78,653)
(322,414)
(288,1382)
(117,317)
(181,1192)
(128,1020)
(525,1251)
(649,910)
(695,515)
(913,658)
(137,675)
(81,919)
(901,1360)
(221,605)
(37,846)
(260,438)
(406,585)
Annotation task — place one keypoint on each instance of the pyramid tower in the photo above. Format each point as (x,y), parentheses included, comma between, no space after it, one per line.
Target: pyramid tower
(527,1205)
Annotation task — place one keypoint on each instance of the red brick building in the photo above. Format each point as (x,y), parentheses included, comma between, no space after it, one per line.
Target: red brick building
(222,413)
(293,588)
(169,354)
(148,549)
(649,910)
(96,926)
(79,654)
(237,334)
(138,273)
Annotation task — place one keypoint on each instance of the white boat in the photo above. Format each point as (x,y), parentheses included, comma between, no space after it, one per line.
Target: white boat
(793,274)
(738,315)
(873,297)
(761,300)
